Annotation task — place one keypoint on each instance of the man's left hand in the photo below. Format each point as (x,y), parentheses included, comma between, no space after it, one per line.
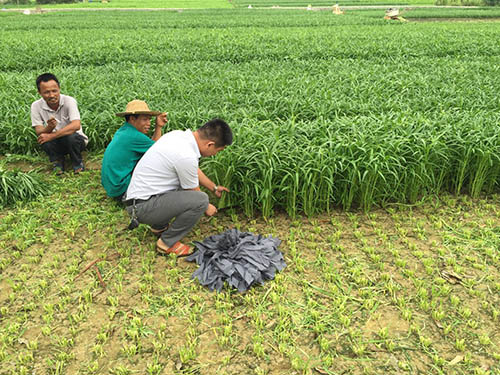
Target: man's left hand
(45,137)
(161,119)
(219,191)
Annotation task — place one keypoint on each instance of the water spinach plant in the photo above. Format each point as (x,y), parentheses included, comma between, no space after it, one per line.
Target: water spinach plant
(349,111)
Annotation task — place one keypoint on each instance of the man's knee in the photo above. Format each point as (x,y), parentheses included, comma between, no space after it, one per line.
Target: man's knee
(48,146)
(73,141)
(201,200)
(52,149)
(70,139)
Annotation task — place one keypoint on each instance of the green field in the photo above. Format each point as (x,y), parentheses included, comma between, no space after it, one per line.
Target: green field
(206,4)
(328,110)
(326,3)
(189,4)
(450,14)
(332,115)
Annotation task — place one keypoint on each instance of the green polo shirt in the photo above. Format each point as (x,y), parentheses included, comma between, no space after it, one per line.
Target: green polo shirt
(121,156)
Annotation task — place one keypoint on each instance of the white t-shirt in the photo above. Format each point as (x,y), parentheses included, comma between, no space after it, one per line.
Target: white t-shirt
(170,164)
(65,113)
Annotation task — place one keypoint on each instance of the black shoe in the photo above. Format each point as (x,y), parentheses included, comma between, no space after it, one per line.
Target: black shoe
(58,167)
(79,168)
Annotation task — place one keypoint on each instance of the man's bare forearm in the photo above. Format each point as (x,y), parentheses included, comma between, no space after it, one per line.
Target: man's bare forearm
(205,181)
(156,134)
(40,129)
(69,129)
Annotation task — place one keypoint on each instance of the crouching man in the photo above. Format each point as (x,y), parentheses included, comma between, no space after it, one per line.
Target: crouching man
(56,120)
(165,184)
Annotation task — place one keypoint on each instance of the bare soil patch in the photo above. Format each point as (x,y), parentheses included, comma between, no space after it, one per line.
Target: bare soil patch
(361,292)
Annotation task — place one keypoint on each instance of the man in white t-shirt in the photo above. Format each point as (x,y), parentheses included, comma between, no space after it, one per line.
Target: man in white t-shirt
(56,120)
(166,183)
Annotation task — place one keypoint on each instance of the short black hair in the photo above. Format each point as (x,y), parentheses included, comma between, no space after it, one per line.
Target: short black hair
(46,77)
(218,131)
(127,117)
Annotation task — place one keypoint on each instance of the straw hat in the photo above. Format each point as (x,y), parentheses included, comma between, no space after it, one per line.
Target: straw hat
(137,107)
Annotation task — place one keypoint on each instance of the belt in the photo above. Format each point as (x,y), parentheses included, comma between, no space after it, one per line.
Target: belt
(130,202)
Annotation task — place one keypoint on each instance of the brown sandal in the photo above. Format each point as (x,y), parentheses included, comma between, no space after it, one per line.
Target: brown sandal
(177,248)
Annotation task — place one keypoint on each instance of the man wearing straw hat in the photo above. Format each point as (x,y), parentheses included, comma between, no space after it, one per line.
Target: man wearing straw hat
(129,143)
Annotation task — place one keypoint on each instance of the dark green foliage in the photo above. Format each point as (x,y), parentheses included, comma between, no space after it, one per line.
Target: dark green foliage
(452,14)
(56,1)
(17,186)
(460,2)
(18,2)
(323,3)
(327,110)
(33,2)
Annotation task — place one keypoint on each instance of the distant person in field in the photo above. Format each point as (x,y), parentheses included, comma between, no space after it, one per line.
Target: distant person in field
(56,120)
(166,184)
(128,145)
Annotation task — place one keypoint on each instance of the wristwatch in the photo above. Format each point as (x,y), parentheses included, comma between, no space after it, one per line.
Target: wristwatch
(215,188)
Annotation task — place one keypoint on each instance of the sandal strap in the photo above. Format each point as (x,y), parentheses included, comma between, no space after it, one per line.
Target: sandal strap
(179,249)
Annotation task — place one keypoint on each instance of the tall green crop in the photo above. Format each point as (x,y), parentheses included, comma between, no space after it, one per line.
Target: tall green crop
(350,111)
(17,186)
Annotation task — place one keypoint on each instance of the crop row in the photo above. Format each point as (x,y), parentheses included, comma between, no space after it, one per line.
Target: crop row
(325,3)
(448,15)
(356,161)
(326,110)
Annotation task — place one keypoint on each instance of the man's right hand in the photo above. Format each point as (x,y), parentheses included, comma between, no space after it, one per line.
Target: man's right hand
(211,210)
(45,137)
(161,120)
(52,123)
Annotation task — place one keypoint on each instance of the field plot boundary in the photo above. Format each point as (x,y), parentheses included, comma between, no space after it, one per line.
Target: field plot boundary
(367,7)
(276,7)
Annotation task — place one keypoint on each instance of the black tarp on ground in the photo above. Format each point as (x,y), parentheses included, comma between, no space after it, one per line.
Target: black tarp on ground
(240,258)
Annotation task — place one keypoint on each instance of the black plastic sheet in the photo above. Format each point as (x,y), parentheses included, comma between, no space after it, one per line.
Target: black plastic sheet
(242,259)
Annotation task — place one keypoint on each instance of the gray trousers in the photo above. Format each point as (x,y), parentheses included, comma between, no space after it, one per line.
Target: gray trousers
(186,206)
